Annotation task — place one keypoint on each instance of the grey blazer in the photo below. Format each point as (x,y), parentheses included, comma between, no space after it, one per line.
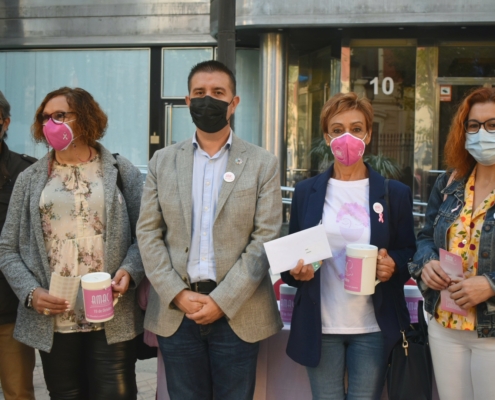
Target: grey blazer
(249,213)
(24,262)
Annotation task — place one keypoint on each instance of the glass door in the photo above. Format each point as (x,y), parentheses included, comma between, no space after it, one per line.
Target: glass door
(314,78)
(384,72)
(178,124)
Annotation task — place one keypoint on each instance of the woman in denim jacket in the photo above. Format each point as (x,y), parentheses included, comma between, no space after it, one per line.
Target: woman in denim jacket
(460,218)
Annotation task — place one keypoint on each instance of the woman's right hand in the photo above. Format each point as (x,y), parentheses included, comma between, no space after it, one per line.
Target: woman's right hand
(434,276)
(303,272)
(42,301)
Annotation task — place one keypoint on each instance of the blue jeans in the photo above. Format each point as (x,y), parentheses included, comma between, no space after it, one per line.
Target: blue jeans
(206,361)
(362,355)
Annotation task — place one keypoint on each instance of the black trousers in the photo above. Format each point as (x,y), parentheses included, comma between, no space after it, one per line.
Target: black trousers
(82,366)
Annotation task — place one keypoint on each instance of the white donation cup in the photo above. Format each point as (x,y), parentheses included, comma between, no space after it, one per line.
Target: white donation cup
(98,298)
(360,269)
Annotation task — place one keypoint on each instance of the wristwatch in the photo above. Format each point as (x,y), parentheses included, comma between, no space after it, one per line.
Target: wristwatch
(29,300)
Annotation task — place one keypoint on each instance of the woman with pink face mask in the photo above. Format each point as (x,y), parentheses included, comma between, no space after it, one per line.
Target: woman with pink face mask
(333,331)
(72,213)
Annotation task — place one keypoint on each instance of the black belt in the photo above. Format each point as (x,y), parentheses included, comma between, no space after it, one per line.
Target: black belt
(204,287)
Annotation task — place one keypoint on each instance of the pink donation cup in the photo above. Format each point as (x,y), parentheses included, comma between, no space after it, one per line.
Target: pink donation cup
(413,296)
(287,294)
(97,294)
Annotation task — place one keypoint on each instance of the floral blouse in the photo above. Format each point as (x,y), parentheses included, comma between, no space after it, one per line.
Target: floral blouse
(463,239)
(72,212)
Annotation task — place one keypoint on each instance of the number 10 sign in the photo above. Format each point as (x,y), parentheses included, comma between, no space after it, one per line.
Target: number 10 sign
(387,85)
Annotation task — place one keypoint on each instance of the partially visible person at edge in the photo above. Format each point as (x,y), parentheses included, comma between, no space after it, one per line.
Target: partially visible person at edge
(16,359)
(209,204)
(460,218)
(331,330)
(67,216)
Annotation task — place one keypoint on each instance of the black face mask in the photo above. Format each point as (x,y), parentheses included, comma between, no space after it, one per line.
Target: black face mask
(209,114)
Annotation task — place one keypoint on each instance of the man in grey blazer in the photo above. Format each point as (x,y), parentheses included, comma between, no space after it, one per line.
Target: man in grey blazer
(209,204)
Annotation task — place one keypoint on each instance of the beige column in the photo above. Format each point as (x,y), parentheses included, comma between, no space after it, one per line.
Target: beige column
(273,69)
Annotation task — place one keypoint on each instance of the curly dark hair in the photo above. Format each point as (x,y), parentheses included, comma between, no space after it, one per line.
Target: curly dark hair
(90,124)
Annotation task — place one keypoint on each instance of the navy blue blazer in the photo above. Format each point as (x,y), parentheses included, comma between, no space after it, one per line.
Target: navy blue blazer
(396,235)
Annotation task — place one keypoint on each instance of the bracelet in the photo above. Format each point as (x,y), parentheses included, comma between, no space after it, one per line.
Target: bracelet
(29,301)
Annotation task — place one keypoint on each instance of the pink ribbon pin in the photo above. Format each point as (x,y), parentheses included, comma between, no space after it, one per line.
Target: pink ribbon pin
(378,208)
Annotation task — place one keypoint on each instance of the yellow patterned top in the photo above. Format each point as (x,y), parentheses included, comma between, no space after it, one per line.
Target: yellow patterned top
(463,239)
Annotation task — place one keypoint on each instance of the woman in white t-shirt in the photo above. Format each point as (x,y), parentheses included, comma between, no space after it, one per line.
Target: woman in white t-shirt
(332,330)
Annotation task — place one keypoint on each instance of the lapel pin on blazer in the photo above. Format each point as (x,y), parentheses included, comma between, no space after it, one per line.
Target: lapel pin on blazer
(229,177)
(238,161)
(378,208)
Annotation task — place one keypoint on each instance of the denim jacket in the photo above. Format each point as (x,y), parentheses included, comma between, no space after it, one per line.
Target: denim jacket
(440,215)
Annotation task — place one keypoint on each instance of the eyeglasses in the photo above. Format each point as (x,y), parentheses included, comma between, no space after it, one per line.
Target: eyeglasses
(59,117)
(472,126)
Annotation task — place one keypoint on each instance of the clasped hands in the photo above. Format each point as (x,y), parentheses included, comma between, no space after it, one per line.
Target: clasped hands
(466,293)
(198,307)
(385,268)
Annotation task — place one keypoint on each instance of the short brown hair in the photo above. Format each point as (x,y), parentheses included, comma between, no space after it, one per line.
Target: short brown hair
(91,122)
(342,102)
(209,67)
(456,155)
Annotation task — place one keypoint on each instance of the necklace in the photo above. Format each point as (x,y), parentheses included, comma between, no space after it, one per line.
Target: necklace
(82,161)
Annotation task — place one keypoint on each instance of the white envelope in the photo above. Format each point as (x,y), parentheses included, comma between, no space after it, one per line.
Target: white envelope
(65,287)
(310,245)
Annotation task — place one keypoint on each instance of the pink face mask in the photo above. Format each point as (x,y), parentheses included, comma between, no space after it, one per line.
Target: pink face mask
(347,148)
(59,136)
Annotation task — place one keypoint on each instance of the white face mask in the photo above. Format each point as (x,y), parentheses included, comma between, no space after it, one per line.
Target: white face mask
(481,146)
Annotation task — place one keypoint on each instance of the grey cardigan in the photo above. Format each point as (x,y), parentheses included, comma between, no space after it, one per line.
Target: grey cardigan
(24,261)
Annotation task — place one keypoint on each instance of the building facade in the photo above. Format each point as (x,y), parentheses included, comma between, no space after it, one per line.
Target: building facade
(414,61)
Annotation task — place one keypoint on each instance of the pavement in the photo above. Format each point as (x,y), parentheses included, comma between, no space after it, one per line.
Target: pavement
(145,378)
(145,375)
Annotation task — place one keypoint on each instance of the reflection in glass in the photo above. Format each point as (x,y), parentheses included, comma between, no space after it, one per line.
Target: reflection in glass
(426,125)
(178,123)
(386,76)
(247,114)
(176,66)
(27,76)
(466,61)
(312,79)
(292,117)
